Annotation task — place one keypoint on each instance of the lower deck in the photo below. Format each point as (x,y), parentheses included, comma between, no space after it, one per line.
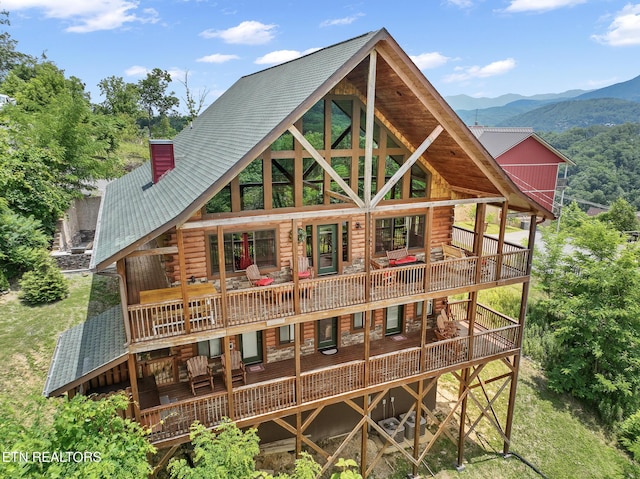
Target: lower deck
(277,389)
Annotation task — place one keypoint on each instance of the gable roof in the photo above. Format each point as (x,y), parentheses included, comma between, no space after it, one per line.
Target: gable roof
(499,140)
(258,108)
(86,350)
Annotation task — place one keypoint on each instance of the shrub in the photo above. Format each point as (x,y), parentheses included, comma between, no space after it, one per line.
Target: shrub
(630,435)
(45,284)
(4,283)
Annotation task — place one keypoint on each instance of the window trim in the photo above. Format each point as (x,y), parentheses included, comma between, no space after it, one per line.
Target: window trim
(292,332)
(234,274)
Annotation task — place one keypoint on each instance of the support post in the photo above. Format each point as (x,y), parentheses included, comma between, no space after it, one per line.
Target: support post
(186,313)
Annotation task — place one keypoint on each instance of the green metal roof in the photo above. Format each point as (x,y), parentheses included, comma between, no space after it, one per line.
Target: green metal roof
(229,134)
(85,348)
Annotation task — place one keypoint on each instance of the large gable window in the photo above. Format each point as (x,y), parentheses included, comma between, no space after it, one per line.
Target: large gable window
(244,249)
(395,233)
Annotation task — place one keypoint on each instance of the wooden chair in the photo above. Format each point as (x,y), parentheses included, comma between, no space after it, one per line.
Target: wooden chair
(199,373)
(238,370)
(446,329)
(255,278)
(304,270)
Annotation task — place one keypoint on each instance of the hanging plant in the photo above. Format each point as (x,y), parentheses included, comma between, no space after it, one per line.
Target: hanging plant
(302,234)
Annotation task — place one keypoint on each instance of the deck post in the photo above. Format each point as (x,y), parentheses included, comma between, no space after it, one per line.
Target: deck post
(223,275)
(122,286)
(464,378)
(133,379)
(521,321)
(416,436)
(227,373)
(427,249)
(478,240)
(295,252)
(364,435)
(186,314)
(500,248)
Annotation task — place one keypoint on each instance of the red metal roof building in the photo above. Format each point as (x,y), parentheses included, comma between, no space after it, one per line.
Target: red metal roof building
(529,161)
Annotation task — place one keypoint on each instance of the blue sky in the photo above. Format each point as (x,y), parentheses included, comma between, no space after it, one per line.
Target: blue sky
(476,47)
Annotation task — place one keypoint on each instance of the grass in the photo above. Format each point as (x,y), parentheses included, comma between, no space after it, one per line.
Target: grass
(492,228)
(554,432)
(28,334)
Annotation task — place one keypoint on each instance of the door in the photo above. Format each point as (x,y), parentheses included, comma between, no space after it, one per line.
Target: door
(251,347)
(327,333)
(327,249)
(393,320)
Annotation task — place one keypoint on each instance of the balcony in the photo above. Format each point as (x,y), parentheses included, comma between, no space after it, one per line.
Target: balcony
(275,388)
(377,288)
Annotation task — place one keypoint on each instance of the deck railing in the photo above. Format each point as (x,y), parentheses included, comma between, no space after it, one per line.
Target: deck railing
(252,400)
(251,305)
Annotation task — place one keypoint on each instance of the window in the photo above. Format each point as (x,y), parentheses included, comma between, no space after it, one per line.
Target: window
(252,186)
(282,178)
(358,321)
(244,249)
(286,334)
(420,305)
(419,182)
(211,348)
(221,202)
(395,233)
(345,241)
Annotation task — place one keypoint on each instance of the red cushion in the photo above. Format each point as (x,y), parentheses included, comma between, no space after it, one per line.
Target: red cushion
(405,260)
(304,274)
(392,262)
(265,281)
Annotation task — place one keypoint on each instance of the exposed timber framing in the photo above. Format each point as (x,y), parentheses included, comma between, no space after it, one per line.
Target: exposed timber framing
(325,165)
(406,166)
(369,125)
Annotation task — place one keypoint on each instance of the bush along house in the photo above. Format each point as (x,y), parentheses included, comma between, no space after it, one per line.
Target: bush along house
(288,261)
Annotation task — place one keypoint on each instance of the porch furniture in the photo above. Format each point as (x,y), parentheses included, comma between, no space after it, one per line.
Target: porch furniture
(446,328)
(153,296)
(238,370)
(452,252)
(399,257)
(199,373)
(255,278)
(304,270)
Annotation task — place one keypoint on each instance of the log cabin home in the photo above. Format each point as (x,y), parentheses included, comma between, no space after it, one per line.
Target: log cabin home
(334,179)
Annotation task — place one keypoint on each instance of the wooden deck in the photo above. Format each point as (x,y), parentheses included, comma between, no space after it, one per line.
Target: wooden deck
(338,293)
(275,388)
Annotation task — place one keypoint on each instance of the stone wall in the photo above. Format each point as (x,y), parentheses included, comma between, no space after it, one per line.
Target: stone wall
(68,261)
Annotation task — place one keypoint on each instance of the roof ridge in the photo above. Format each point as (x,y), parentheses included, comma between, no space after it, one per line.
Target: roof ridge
(371,33)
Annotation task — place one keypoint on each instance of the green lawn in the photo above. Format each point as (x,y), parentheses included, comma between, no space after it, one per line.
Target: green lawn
(28,334)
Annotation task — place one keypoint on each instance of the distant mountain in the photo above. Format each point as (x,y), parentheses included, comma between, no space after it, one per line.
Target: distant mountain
(496,115)
(466,102)
(612,105)
(628,90)
(578,113)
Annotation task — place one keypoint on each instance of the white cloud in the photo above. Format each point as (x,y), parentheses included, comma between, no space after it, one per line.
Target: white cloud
(461,3)
(424,61)
(341,21)
(246,33)
(136,71)
(88,16)
(624,29)
(518,6)
(217,58)
(492,69)
(281,56)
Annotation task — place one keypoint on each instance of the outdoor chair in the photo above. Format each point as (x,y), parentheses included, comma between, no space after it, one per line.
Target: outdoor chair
(255,278)
(446,329)
(199,373)
(238,370)
(304,270)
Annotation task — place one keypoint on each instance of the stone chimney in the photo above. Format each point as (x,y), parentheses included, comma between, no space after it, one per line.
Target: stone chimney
(162,159)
